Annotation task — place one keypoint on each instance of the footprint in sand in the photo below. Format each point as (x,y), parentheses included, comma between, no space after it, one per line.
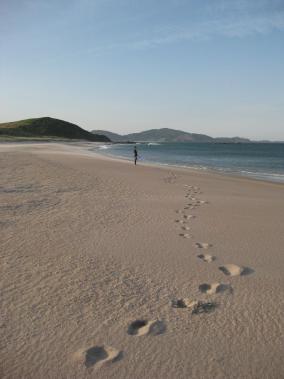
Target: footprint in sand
(188,217)
(235,270)
(193,204)
(206,257)
(145,327)
(213,288)
(203,245)
(185,228)
(97,355)
(183,303)
(204,307)
(195,306)
(185,235)
(180,221)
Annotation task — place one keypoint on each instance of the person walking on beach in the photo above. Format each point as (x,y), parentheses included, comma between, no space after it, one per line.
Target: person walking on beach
(135,155)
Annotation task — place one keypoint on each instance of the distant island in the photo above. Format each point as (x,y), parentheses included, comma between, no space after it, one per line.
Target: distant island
(168,135)
(47,127)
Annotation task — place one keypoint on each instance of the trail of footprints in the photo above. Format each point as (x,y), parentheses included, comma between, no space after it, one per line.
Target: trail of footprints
(99,355)
(230,270)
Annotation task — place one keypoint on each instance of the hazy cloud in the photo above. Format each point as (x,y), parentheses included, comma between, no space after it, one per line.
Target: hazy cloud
(226,18)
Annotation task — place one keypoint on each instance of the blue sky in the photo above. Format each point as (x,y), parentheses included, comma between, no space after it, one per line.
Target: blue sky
(211,66)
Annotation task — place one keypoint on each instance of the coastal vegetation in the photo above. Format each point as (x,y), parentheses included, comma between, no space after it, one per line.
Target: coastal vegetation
(46,128)
(168,135)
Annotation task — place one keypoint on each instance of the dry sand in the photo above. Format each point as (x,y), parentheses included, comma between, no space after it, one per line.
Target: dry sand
(104,273)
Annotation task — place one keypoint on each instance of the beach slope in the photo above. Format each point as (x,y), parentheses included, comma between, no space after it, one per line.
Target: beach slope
(114,271)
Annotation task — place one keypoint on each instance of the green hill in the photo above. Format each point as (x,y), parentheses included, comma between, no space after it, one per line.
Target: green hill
(168,135)
(48,127)
(157,135)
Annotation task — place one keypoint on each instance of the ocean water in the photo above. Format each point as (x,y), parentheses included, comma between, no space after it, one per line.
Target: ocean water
(257,160)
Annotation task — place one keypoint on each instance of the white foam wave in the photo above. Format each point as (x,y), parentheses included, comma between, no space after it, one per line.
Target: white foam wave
(104,147)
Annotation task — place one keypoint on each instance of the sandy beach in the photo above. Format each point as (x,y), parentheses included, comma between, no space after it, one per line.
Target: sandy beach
(114,271)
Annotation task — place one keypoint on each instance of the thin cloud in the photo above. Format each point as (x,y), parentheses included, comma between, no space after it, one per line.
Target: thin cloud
(238,28)
(212,19)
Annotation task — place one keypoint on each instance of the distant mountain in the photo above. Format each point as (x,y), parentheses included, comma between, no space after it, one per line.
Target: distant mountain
(114,137)
(48,127)
(168,135)
(232,140)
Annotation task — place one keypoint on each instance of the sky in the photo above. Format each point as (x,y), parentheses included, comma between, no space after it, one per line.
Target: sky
(203,66)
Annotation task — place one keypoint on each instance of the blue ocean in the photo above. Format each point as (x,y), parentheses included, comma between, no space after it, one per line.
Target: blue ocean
(257,160)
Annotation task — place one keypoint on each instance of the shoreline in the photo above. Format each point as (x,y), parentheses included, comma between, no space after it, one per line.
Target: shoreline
(189,168)
(81,144)
(205,170)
